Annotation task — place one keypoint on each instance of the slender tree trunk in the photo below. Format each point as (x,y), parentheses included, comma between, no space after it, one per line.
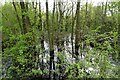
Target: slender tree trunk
(40,17)
(41,28)
(18,18)
(104,13)
(35,11)
(77,30)
(61,16)
(42,46)
(47,24)
(28,23)
(25,19)
(105,9)
(72,33)
(86,12)
(61,41)
(58,29)
(104,17)
(58,35)
(118,31)
(23,16)
(112,14)
(52,39)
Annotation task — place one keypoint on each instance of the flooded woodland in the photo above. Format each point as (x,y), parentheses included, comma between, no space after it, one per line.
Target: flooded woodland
(60,40)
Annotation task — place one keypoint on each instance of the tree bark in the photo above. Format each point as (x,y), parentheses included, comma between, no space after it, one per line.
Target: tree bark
(18,18)
(25,18)
(61,16)
(35,11)
(50,43)
(72,33)
(60,39)
(118,32)
(77,38)
(86,16)
(40,17)
(52,40)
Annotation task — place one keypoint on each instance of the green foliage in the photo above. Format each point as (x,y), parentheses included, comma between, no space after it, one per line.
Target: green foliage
(97,63)
(21,52)
(39,72)
(16,49)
